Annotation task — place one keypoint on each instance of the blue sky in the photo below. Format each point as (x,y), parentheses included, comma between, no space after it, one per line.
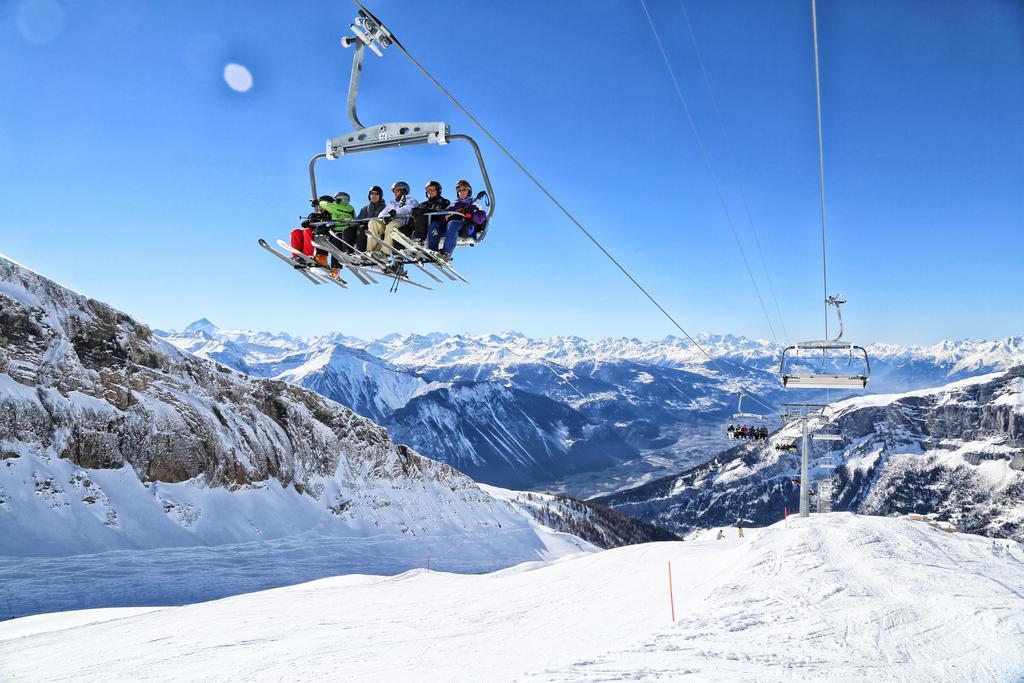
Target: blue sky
(133,173)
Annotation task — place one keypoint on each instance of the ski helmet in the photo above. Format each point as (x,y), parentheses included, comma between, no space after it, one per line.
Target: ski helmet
(401,185)
(434,183)
(463,184)
(342,197)
(326,198)
(378,190)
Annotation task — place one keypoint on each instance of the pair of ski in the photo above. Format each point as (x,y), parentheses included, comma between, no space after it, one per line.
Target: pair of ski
(361,264)
(304,265)
(363,270)
(420,255)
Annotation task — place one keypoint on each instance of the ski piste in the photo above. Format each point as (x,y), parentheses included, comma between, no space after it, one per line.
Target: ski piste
(310,265)
(301,270)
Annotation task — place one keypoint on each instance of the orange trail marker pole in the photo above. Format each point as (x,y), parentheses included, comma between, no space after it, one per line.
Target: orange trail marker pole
(671,598)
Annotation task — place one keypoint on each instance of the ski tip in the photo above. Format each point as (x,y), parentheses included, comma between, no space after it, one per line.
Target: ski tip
(262,242)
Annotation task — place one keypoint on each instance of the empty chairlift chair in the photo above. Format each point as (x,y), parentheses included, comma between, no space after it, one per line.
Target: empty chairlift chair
(827,462)
(829,432)
(795,376)
(742,417)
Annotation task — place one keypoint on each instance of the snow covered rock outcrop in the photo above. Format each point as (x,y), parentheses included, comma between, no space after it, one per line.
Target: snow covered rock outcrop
(956,451)
(111,438)
(86,383)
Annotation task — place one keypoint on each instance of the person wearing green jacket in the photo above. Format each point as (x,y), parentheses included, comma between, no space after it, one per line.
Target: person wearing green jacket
(341,212)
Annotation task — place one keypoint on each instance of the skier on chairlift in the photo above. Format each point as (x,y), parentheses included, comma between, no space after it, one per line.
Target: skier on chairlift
(341,212)
(355,234)
(471,220)
(395,215)
(302,237)
(434,202)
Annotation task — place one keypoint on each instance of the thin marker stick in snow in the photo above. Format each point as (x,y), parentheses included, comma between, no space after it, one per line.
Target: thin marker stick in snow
(671,598)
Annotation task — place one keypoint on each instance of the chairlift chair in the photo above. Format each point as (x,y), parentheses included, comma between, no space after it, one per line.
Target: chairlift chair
(829,432)
(796,411)
(827,462)
(370,32)
(740,416)
(792,378)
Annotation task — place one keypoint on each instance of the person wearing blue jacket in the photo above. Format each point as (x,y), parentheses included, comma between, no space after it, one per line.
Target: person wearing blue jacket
(466,218)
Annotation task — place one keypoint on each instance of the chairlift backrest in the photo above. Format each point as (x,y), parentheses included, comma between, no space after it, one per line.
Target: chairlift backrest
(740,416)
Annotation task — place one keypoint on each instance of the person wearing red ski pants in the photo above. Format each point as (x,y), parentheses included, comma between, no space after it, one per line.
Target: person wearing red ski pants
(302,240)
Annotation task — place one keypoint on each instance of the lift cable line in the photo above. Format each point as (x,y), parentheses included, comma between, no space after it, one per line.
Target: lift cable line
(732,153)
(821,162)
(709,168)
(717,362)
(792,375)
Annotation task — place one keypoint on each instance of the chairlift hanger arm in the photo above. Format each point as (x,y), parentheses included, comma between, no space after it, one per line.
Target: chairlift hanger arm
(371,33)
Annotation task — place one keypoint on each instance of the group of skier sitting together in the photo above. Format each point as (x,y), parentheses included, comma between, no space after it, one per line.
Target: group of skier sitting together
(744,432)
(434,222)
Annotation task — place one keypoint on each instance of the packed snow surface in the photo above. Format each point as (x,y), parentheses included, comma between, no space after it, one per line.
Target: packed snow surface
(834,597)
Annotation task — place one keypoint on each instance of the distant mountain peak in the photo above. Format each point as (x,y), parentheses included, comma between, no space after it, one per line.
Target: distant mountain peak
(201,325)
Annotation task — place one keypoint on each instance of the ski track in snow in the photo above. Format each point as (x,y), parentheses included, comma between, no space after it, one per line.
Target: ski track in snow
(836,597)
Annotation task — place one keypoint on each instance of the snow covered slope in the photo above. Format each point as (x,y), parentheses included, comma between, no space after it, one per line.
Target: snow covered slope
(956,451)
(836,597)
(112,440)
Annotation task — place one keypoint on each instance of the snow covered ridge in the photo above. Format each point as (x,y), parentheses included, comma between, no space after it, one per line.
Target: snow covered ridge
(597,524)
(834,598)
(439,349)
(956,450)
(111,438)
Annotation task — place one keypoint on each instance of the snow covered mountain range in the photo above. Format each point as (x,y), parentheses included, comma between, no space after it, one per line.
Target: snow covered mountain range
(562,413)
(955,451)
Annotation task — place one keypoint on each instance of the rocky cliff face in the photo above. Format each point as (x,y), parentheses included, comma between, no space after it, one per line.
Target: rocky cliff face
(956,451)
(88,384)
